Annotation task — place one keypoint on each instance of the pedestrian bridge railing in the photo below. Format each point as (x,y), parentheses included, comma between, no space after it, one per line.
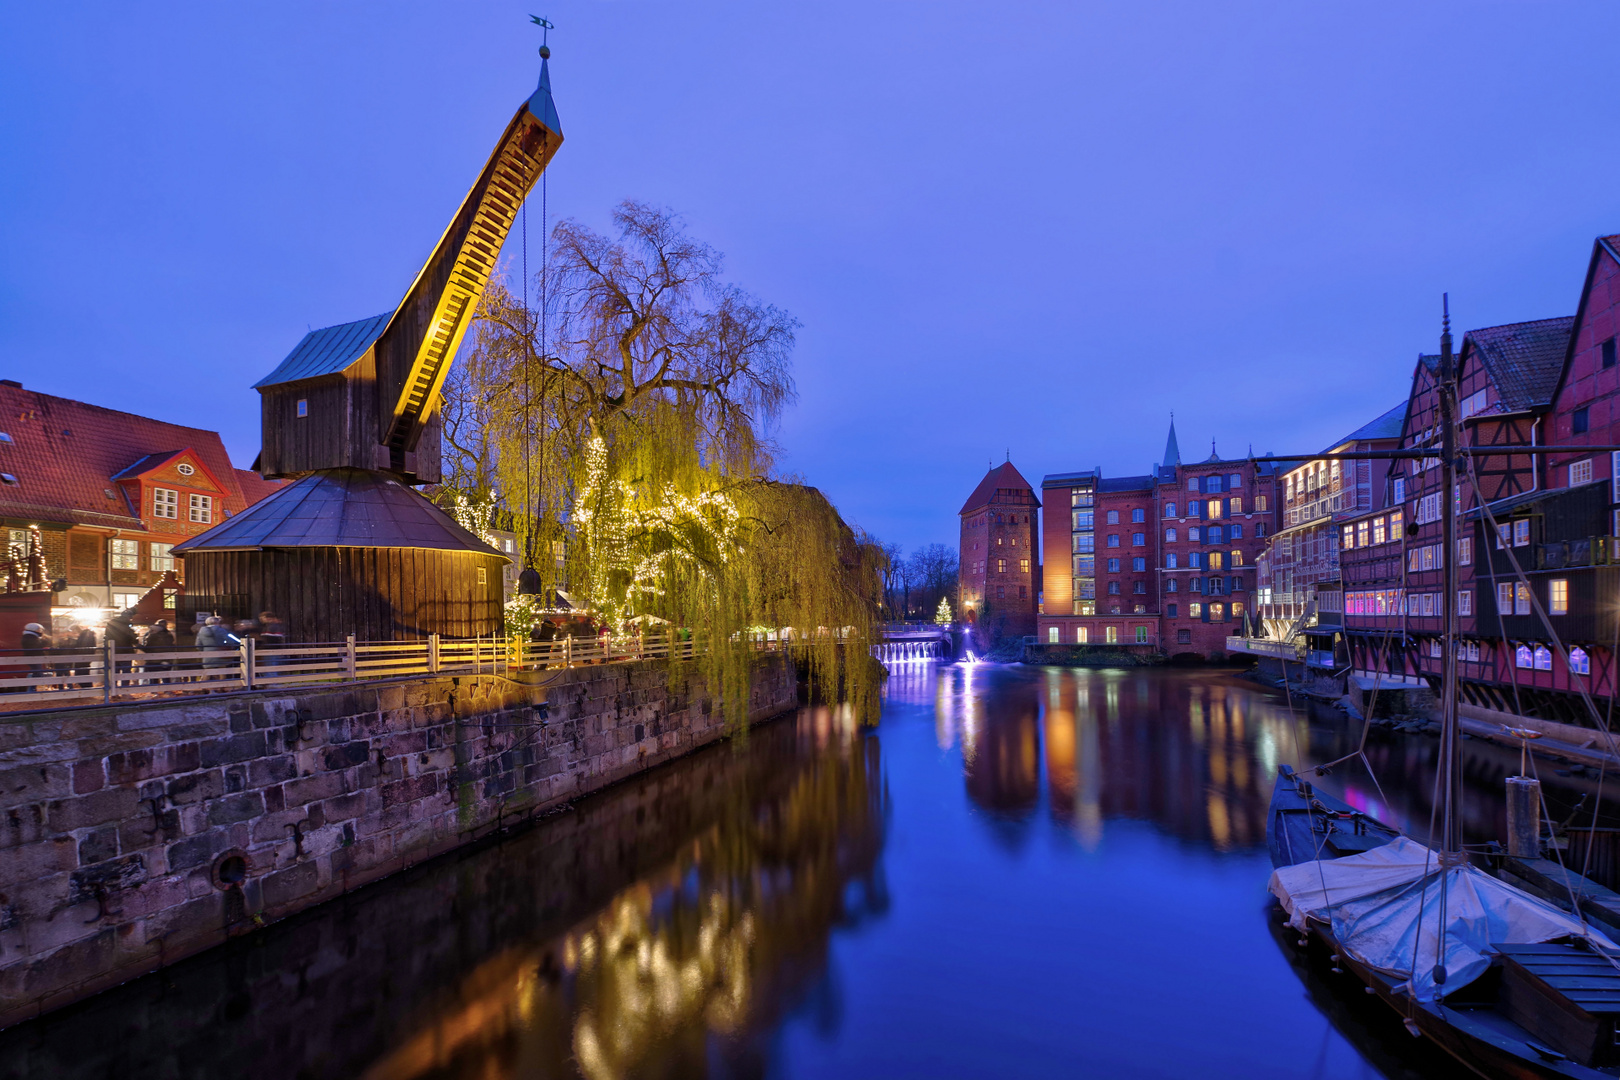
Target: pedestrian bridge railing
(108,675)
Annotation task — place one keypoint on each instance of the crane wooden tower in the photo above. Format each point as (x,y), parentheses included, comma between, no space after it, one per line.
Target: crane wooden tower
(351,416)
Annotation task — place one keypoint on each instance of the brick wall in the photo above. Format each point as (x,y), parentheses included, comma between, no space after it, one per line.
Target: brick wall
(132,836)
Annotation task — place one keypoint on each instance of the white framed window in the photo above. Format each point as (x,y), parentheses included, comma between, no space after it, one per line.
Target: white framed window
(202,508)
(1465,551)
(1504,597)
(1400,489)
(1521,599)
(185,468)
(126,554)
(1558,596)
(1580,472)
(122,601)
(1521,532)
(162,557)
(165,503)
(1579,662)
(1081,635)
(1051,635)
(1192,483)
(1465,602)
(1259,504)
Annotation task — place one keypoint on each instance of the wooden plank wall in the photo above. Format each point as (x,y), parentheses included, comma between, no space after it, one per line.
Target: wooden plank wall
(377,594)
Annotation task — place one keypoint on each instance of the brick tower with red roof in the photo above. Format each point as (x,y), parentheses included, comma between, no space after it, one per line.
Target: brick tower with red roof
(1000,569)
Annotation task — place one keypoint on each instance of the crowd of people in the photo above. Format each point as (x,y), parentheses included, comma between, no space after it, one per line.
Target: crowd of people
(152,650)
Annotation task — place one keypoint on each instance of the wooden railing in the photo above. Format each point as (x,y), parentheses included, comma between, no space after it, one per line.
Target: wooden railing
(106,675)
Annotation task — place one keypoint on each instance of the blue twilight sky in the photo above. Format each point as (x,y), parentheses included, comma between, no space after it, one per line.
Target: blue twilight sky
(1036,226)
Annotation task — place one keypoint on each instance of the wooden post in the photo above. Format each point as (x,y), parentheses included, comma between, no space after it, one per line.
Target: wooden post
(248,660)
(1524,817)
(348,657)
(568,651)
(433,654)
(109,669)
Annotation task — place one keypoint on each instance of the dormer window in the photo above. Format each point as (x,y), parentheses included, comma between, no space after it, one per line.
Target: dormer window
(5,438)
(165,503)
(7,479)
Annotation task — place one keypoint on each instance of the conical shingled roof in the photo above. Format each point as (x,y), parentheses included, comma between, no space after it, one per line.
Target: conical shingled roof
(340,508)
(1002,476)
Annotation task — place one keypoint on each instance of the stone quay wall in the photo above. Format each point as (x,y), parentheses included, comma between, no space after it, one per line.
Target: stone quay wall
(134,835)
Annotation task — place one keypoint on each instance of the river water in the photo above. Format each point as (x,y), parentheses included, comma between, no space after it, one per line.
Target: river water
(1017,872)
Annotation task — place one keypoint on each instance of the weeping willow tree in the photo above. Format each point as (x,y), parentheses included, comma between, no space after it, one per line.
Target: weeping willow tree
(625,420)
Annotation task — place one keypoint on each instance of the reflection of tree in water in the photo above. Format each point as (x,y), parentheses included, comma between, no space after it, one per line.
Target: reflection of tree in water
(661,927)
(690,967)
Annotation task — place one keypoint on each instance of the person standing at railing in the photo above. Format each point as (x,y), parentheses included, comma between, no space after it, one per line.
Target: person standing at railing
(212,641)
(34,642)
(541,635)
(121,636)
(159,639)
(83,642)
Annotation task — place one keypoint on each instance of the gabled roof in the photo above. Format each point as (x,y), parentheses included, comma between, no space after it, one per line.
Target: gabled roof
(65,453)
(1387,426)
(340,508)
(1002,476)
(1603,245)
(146,464)
(327,351)
(1524,360)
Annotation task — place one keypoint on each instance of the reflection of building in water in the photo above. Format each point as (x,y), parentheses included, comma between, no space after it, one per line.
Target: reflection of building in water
(1182,752)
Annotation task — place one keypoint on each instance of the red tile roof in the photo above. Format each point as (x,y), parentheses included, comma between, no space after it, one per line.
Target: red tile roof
(1002,476)
(64,454)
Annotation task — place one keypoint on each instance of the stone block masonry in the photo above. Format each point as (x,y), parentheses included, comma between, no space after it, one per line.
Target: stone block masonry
(134,835)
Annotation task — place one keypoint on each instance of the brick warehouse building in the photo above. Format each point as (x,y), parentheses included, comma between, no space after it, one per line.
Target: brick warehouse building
(111,492)
(998,570)
(1160,562)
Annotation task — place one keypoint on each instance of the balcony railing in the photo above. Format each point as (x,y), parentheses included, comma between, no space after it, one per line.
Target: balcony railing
(1590,551)
(1282,650)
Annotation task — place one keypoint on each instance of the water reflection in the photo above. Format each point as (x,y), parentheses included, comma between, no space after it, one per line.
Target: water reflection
(1194,754)
(662,929)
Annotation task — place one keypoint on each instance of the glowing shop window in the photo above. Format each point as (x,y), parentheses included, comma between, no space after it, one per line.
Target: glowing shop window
(1578,662)
(1379,536)
(1141,635)
(1361,534)
(1522,658)
(1195,611)
(1112,634)
(1081,636)
(1347,537)
(126,554)
(1051,635)
(1558,597)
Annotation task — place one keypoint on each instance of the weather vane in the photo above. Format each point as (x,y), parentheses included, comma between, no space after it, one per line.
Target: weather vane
(546,26)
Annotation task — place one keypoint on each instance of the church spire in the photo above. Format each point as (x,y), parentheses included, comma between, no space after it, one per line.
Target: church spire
(1172,451)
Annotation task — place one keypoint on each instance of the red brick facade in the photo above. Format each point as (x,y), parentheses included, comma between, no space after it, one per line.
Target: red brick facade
(999,573)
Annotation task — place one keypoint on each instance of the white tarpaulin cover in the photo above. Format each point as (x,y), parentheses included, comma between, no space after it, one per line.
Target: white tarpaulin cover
(1382,902)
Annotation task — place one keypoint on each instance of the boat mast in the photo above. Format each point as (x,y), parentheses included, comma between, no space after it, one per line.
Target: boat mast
(1450,740)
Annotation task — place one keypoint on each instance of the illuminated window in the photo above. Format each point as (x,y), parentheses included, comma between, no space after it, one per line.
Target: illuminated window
(1237,557)
(202,508)
(1217,612)
(1523,658)
(1379,536)
(165,503)
(1237,609)
(1558,596)
(1081,634)
(1023,566)
(1141,635)
(1395,519)
(1347,537)
(1361,534)
(1578,662)
(1081,519)
(1051,635)
(126,554)
(1259,504)
(1217,560)
(1195,611)
(1113,634)
(1580,472)
(1084,607)
(162,556)
(1214,509)
(1001,566)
